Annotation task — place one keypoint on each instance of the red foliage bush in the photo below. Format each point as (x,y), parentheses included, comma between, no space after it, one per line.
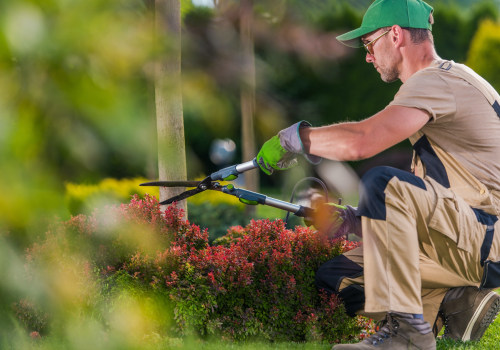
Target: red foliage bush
(258,282)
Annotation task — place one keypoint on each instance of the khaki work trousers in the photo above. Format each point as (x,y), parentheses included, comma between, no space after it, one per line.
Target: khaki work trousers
(422,242)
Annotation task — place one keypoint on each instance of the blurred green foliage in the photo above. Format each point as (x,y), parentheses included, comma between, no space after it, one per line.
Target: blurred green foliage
(76,106)
(484,53)
(217,218)
(76,87)
(302,73)
(74,100)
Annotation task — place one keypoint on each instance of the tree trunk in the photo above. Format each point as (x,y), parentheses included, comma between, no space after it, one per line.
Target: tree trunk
(168,98)
(248,94)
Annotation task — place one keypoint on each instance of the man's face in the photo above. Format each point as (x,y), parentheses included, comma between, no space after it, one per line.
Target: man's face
(379,53)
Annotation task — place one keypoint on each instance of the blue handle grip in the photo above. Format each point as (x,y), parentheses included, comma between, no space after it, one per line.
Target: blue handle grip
(249,197)
(232,172)
(246,195)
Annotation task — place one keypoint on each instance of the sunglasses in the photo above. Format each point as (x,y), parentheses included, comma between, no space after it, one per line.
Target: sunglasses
(369,46)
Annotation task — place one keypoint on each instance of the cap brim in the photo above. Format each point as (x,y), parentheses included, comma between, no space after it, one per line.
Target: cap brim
(353,38)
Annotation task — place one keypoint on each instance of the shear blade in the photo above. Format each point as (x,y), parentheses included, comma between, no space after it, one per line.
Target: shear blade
(182,196)
(172,183)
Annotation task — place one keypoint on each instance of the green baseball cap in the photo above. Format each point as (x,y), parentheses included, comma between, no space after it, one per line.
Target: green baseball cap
(386,13)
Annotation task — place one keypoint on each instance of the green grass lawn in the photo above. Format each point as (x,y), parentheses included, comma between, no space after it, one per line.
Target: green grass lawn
(490,341)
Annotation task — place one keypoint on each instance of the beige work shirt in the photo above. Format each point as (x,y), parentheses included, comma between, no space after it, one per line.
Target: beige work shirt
(463,132)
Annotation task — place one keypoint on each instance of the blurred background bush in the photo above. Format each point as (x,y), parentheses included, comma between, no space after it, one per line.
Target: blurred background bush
(77,97)
(77,107)
(211,210)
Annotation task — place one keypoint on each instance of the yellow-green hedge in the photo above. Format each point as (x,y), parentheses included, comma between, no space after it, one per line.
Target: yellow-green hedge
(484,52)
(83,198)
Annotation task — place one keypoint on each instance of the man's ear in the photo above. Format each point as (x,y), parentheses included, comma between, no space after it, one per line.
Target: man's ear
(397,35)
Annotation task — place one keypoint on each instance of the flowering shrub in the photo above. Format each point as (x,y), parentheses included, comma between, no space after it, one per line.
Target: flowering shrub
(257,282)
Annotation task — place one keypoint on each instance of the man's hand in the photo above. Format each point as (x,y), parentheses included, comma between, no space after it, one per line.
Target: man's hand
(279,153)
(327,218)
(273,156)
(336,220)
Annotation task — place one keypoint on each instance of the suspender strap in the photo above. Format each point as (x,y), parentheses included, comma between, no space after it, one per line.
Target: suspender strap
(434,167)
(475,80)
(489,220)
(496,107)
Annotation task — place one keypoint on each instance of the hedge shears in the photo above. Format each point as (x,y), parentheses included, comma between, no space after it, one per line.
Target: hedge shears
(245,196)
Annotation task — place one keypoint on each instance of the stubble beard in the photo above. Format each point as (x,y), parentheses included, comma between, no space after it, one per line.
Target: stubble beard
(389,75)
(389,72)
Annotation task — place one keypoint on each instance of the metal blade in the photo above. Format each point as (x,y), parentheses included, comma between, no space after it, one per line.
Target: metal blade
(172,183)
(182,196)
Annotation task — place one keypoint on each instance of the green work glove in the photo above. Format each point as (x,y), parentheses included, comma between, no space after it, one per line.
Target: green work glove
(273,156)
(280,152)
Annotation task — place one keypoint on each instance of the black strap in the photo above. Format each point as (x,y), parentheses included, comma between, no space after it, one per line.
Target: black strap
(496,107)
(489,220)
(447,65)
(434,167)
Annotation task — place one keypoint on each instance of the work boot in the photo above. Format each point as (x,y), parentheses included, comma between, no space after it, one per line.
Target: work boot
(466,312)
(399,331)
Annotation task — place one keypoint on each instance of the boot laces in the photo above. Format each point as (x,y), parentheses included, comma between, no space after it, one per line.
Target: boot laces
(387,328)
(445,326)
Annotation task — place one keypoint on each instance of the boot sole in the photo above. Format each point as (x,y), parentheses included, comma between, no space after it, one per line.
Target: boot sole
(488,318)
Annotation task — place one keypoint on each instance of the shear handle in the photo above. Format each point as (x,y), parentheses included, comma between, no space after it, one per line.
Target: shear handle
(232,172)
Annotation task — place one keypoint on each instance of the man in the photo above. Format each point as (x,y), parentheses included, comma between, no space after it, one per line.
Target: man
(430,254)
